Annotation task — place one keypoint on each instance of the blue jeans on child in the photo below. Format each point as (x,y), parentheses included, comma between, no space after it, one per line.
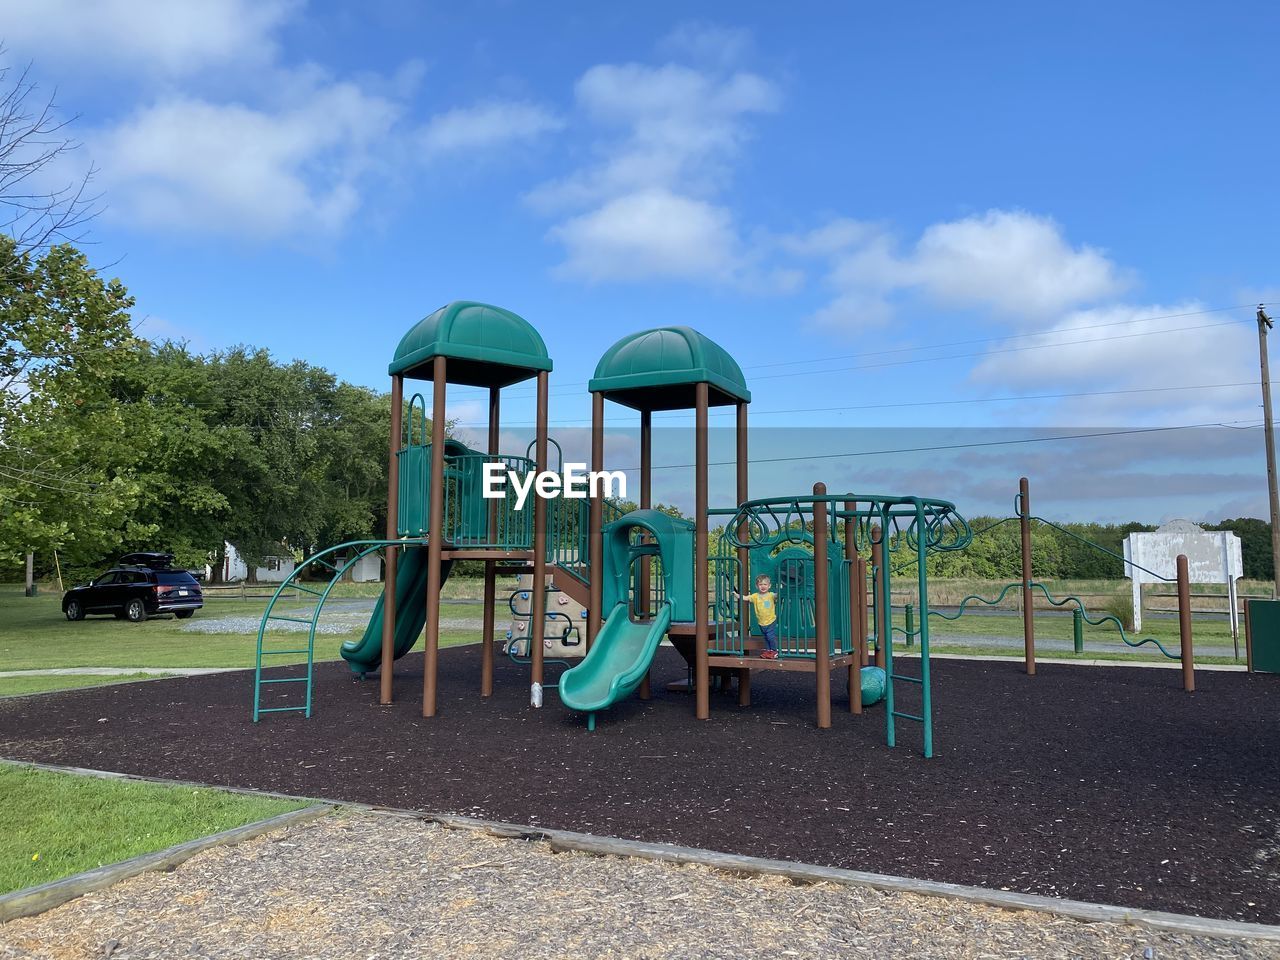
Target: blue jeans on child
(770,634)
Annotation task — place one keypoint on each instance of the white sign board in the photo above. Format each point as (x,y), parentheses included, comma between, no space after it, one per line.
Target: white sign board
(1213,556)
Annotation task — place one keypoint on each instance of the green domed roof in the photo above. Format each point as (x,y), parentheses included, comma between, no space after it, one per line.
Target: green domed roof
(486,346)
(658,370)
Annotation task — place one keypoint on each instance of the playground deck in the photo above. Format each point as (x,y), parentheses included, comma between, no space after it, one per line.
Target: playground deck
(1111,786)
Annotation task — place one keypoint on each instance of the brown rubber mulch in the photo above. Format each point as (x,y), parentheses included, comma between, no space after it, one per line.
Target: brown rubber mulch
(1103,784)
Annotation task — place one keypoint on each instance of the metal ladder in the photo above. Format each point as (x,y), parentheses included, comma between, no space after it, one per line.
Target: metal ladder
(360,549)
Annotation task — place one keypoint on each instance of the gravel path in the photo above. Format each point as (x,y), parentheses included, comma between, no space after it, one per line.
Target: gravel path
(368,885)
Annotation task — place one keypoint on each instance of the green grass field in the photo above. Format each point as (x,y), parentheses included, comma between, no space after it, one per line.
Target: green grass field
(53,825)
(34,634)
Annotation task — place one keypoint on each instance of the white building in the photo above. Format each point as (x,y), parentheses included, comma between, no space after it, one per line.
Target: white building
(234,569)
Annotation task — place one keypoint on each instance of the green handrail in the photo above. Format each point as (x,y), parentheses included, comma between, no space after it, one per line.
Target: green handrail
(365,547)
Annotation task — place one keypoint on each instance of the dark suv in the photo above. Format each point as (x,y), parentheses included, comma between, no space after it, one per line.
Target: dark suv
(141,585)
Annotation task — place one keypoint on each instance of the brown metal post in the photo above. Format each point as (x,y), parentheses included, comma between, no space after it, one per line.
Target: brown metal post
(1184,626)
(435,536)
(855,586)
(595,543)
(490,574)
(538,608)
(744,557)
(1028,607)
(883,620)
(393,533)
(821,607)
(646,501)
(861,634)
(702,675)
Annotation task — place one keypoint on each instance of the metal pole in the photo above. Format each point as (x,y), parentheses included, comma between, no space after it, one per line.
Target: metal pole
(391,567)
(909,619)
(744,557)
(884,622)
(595,544)
(857,588)
(538,609)
(1028,608)
(1184,626)
(31,575)
(435,536)
(1077,630)
(702,672)
(490,575)
(1264,324)
(821,608)
(861,633)
(922,588)
(878,596)
(646,501)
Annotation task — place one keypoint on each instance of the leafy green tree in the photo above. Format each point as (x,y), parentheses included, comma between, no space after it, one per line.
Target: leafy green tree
(65,458)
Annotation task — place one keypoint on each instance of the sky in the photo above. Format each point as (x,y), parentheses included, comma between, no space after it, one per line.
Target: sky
(989,228)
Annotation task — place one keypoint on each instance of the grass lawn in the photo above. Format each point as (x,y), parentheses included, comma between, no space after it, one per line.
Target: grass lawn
(53,825)
(12,686)
(34,634)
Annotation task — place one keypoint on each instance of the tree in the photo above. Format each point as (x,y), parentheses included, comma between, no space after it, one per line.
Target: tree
(65,458)
(32,140)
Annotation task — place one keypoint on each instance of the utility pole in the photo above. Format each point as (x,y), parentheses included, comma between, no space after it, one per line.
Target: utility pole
(1264,324)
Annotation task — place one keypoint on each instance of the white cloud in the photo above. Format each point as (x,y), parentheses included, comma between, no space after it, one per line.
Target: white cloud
(151,35)
(486,126)
(1015,265)
(190,164)
(666,140)
(1134,347)
(650,233)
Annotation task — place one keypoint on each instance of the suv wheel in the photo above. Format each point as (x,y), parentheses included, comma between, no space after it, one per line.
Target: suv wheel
(74,610)
(135,611)
(183,614)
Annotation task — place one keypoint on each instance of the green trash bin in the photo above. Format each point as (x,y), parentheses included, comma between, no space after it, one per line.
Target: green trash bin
(1262,635)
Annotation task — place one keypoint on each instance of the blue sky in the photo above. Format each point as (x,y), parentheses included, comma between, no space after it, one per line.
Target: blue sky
(829,190)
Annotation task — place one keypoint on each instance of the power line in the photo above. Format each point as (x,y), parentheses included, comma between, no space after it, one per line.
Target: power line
(954,446)
(911,403)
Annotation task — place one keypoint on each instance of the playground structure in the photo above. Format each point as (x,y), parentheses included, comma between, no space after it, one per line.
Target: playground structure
(636,578)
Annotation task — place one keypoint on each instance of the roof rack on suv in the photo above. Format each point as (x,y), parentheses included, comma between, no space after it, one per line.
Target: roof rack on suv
(152,561)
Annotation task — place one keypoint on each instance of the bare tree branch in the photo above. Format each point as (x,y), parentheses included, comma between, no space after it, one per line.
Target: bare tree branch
(33,138)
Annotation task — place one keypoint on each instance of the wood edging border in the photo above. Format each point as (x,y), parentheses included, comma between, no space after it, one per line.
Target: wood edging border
(35,900)
(568,841)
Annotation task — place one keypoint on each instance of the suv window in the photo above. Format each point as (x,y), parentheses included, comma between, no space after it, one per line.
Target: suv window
(175,576)
(107,579)
(133,576)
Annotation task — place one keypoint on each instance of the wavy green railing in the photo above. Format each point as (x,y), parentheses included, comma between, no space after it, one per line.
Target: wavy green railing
(1035,584)
(1103,619)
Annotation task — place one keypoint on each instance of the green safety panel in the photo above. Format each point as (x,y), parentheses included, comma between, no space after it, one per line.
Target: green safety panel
(660,369)
(486,346)
(466,509)
(1262,628)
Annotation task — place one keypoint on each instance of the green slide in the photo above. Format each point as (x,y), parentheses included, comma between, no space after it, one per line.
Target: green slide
(616,663)
(365,655)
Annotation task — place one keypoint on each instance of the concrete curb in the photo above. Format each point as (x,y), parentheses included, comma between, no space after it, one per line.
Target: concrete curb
(566,841)
(35,900)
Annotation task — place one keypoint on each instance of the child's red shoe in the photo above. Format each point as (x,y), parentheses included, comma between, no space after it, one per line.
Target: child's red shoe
(768,654)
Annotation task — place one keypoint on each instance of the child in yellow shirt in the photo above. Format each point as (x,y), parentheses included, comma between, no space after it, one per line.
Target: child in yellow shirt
(765,604)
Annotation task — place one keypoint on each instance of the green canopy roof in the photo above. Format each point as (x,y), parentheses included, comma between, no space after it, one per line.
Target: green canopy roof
(659,370)
(486,346)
